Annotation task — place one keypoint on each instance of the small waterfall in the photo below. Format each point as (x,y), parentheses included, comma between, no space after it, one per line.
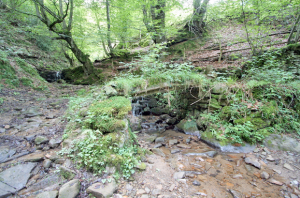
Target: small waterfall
(57,75)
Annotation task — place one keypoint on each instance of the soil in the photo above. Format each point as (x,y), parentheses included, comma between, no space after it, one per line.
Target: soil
(26,114)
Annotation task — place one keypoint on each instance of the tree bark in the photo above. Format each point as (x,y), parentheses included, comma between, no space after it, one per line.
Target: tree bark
(197,24)
(290,41)
(108,28)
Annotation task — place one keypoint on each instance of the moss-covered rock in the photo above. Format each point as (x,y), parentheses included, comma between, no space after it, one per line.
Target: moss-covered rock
(225,113)
(257,123)
(188,127)
(214,104)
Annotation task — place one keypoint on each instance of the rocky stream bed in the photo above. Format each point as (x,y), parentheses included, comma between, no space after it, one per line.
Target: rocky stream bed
(31,130)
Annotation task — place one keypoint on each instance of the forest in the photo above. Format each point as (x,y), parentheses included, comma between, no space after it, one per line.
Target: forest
(132,95)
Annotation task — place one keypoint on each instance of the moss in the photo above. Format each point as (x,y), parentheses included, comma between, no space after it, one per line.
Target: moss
(26,82)
(257,123)
(270,109)
(214,104)
(225,113)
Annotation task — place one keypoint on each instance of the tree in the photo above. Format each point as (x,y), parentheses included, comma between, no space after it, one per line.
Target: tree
(58,23)
(154,19)
(296,27)
(197,24)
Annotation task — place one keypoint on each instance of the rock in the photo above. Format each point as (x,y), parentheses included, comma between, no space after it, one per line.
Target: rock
(188,127)
(15,178)
(30,138)
(273,181)
(109,91)
(179,175)
(33,157)
(252,161)
(171,121)
(100,190)
(41,140)
(277,171)
(70,189)
(236,194)
(140,192)
(47,163)
(6,152)
(67,173)
(147,190)
(156,192)
(159,140)
(48,194)
(53,143)
(129,188)
(264,175)
(141,166)
(289,167)
(208,154)
(256,150)
(159,152)
(144,196)
(173,151)
(32,112)
(184,146)
(282,142)
(157,145)
(196,183)
(2,130)
(270,158)
(45,182)
(173,141)
(159,111)
(117,196)
(237,176)
(172,187)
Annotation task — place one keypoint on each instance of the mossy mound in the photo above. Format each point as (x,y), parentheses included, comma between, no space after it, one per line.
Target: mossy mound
(76,76)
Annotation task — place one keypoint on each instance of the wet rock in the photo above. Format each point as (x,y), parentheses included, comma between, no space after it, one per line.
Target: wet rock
(53,143)
(188,127)
(67,173)
(159,140)
(282,142)
(208,154)
(196,183)
(264,175)
(235,194)
(289,167)
(6,152)
(100,190)
(41,140)
(173,151)
(173,141)
(171,121)
(70,189)
(159,152)
(47,163)
(48,194)
(253,161)
(15,178)
(179,175)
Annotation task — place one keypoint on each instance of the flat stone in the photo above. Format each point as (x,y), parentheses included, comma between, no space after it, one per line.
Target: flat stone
(144,196)
(47,163)
(172,187)
(184,146)
(273,181)
(159,140)
(45,182)
(70,189)
(277,171)
(207,154)
(32,112)
(140,192)
(67,173)
(15,178)
(237,176)
(173,151)
(159,152)
(179,175)
(41,140)
(256,150)
(141,166)
(282,142)
(289,167)
(33,157)
(2,130)
(53,143)
(264,175)
(236,194)
(6,152)
(157,145)
(48,194)
(156,192)
(196,183)
(173,141)
(270,158)
(100,190)
(253,161)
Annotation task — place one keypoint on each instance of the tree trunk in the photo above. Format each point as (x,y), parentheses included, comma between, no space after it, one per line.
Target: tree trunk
(290,41)
(108,28)
(197,22)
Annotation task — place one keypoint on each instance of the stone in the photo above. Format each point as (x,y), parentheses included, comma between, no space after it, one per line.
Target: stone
(264,175)
(172,142)
(159,152)
(53,143)
(196,183)
(47,163)
(48,194)
(282,142)
(172,187)
(147,190)
(273,181)
(256,150)
(15,178)
(2,130)
(155,192)
(70,189)
(277,171)
(237,176)
(30,138)
(270,158)
(109,91)
(289,167)
(41,140)
(33,157)
(144,196)
(173,151)
(157,145)
(207,154)
(140,192)
(141,166)
(6,152)
(100,190)
(188,127)
(67,173)
(253,161)
(159,140)
(184,146)
(236,194)
(45,182)
(32,112)
(179,175)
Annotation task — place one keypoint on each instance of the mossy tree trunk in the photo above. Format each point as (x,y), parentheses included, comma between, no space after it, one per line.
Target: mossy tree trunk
(57,23)
(197,24)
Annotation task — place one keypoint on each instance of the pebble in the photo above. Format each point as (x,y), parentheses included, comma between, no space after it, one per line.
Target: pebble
(147,190)
(277,171)
(237,176)
(253,162)
(287,166)
(270,158)
(196,183)
(273,181)
(47,163)
(172,187)
(264,175)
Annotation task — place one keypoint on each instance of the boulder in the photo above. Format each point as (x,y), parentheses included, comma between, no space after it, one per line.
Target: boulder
(48,194)
(109,91)
(100,190)
(41,140)
(282,142)
(70,189)
(188,127)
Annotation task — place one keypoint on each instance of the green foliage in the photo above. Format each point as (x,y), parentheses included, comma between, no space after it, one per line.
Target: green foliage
(7,72)
(1,101)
